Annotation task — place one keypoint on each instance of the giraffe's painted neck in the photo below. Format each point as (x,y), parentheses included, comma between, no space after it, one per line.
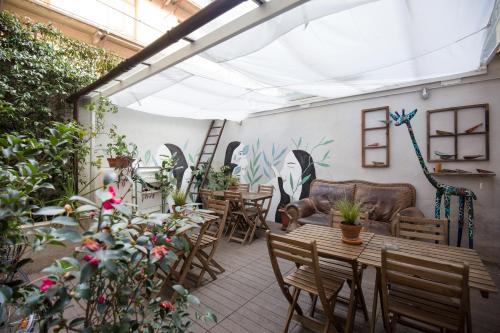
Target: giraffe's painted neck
(427,174)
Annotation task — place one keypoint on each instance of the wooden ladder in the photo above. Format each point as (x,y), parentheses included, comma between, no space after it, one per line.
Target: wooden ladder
(206,155)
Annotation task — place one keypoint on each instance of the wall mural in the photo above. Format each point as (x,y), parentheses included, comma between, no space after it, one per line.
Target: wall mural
(289,170)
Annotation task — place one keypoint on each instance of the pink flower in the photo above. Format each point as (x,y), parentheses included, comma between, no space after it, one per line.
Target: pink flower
(91,260)
(166,305)
(46,284)
(159,251)
(101,299)
(154,238)
(168,239)
(92,214)
(91,244)
(109,204)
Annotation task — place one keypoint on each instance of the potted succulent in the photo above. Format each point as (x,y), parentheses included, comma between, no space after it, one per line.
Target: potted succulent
(120,153)
(350,224)
(179,198)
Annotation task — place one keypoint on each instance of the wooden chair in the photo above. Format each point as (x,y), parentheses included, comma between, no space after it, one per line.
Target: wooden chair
(422,229)
(205,194)
(424,293)
(243,220)
(307,277)
(265,204)
(209,243)
(244,187)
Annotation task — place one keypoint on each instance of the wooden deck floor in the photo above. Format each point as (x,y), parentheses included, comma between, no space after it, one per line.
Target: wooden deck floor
(246,298)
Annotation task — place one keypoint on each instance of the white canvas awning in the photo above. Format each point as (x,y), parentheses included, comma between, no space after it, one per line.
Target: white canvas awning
(320,49)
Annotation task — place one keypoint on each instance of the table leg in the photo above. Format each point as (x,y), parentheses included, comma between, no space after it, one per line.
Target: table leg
(353,301)
(373,319)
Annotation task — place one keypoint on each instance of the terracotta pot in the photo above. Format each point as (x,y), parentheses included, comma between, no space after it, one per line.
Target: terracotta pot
(233,188)
(284,219)
(350,233)
(120,162)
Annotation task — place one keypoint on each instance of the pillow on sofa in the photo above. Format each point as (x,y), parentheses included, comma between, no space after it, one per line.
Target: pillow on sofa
(324,194)
(382,202)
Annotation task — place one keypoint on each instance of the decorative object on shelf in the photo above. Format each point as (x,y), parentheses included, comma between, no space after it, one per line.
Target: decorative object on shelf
(438,167)
(448,171)
(465,196)
(440,132)
(473,128)
(375,146)
(350,224)
(462,171)
(444,156)
(472,157)
(485,171)
(456,138)
(378,163)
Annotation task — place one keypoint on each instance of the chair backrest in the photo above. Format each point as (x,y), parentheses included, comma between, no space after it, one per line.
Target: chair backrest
(422,229)
(221,209)
(337,218)
(205,194)
(244,187)
(268,189)
(426,278)
(235,200)
(298,252)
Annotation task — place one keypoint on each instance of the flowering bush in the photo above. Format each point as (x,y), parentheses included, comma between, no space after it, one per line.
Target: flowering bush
(112,276)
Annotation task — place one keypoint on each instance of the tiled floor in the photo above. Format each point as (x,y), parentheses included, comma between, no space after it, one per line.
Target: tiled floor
(247,299)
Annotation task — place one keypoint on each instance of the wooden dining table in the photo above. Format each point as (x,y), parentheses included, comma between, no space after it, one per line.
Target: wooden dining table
(255,198)
(329,244)
(479,277)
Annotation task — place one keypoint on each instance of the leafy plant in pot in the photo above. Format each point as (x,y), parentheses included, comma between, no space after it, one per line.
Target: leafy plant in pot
(350,224)
(120,153)
(232,183)
(179,197)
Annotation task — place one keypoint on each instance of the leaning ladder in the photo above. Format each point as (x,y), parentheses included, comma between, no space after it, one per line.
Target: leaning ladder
(206,155)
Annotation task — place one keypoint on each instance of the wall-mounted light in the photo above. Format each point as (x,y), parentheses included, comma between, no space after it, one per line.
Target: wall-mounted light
(424,93)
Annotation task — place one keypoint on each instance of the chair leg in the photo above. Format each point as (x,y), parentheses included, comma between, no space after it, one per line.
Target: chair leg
(289,316)
(314,301)
(468,319)
(361,297)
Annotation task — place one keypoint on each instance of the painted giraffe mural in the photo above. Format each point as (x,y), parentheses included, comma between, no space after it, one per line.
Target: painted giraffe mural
(465,196)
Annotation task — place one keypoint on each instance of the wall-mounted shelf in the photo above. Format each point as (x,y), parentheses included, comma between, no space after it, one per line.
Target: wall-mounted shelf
(370,129)
(454,134)
(463,174)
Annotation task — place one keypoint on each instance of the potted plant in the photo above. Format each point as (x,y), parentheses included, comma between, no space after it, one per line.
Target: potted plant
(350,224)
(120,153)
(285,220)
(232,183)
(179,198)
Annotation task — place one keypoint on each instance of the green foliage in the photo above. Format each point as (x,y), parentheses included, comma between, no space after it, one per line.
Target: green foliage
(119,146)
(349,210)
(179,197)
(112,275)
(254,174)
(39,69)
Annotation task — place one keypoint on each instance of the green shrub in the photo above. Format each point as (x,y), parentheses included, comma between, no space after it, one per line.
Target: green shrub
(349,210)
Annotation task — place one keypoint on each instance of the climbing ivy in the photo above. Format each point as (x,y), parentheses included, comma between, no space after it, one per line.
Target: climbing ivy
(39,69)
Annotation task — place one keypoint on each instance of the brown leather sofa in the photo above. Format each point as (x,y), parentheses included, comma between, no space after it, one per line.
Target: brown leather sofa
(381,201)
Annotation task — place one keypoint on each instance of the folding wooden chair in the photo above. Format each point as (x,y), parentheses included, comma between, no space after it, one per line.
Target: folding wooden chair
(209,243)
(424,293)
(243,220)
(205,194)
(244,187)
(263,207)
(422,229)
(307,277)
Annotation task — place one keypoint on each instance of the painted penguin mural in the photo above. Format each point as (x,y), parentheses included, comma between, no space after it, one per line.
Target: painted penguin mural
(293,180)
(182,172)
(236,159)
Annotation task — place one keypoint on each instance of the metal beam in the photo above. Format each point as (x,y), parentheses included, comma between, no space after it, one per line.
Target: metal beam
(247,21)
(207,14)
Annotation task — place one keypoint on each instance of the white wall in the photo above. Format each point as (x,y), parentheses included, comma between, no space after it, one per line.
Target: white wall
(342,122)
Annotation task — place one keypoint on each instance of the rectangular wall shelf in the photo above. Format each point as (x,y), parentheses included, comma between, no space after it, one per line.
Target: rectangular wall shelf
(384,115)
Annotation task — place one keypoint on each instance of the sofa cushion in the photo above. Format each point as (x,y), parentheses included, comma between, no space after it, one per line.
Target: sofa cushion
(323,195)
(317,219)
(383,202)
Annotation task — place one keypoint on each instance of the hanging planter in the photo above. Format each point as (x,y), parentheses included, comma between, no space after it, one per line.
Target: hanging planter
(120,162)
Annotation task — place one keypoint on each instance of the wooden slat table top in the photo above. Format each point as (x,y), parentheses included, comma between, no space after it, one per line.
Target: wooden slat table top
(248,196)
(479,277)
(329,241)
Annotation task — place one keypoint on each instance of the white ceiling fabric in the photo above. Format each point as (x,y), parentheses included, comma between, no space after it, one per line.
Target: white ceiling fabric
(321,49)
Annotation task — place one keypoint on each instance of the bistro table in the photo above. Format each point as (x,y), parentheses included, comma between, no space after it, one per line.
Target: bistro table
(479,277)
(329,244)
(255,198)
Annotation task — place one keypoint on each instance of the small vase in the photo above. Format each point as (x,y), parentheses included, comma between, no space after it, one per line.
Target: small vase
(350,233)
